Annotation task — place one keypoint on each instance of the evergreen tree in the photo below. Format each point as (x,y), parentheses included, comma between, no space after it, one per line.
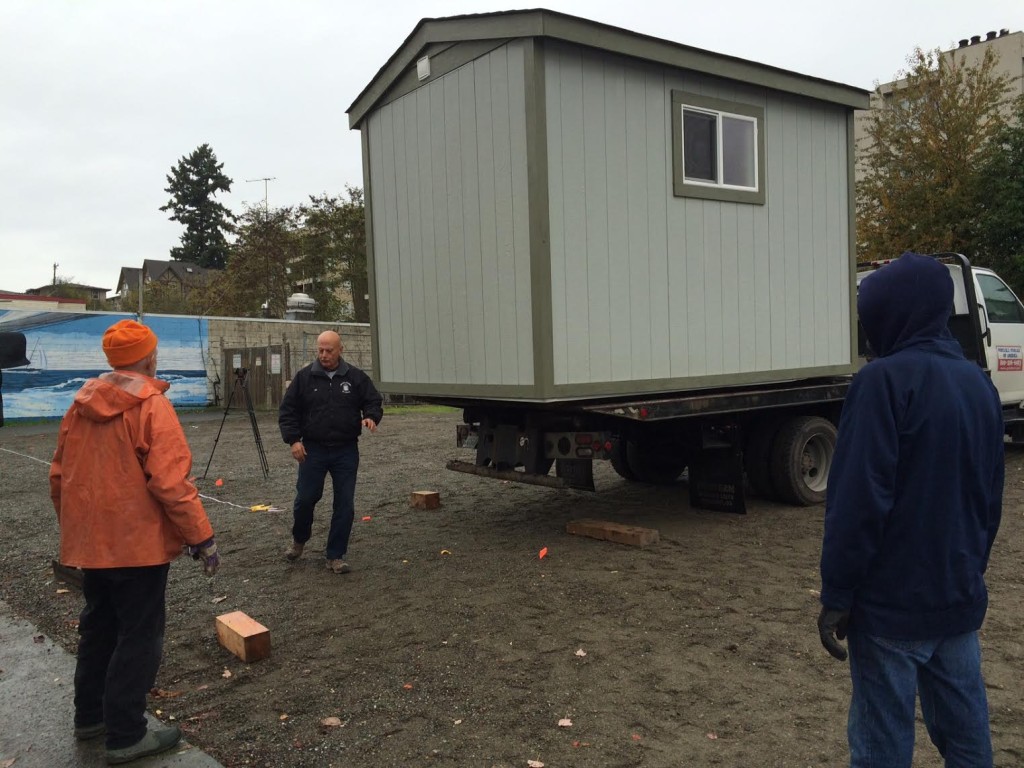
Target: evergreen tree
(927,143)
(1001,222)
(192,185)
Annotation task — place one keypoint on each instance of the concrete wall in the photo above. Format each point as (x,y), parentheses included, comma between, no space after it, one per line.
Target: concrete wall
(298,340)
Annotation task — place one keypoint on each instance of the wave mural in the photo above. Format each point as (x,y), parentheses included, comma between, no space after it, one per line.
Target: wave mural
(66,349)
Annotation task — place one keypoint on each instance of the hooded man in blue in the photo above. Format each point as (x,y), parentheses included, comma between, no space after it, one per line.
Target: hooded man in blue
(914,502)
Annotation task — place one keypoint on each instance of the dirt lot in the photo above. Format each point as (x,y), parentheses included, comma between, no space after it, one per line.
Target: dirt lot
(453,644)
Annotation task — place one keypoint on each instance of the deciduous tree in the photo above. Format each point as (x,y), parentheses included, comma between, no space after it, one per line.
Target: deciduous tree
(257,280)
(334,250)
(926,146)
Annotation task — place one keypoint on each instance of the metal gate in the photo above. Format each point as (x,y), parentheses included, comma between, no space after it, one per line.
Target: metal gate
(264,373)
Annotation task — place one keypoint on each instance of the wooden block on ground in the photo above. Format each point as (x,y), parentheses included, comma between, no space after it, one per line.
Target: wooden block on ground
(425,500)
(620,534)
(245,637)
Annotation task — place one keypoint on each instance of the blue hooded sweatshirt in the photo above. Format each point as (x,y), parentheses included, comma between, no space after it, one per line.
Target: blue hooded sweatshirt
(915,489)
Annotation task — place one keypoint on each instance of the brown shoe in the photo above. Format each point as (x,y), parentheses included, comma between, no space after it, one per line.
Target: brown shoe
(338,566)
(294,552)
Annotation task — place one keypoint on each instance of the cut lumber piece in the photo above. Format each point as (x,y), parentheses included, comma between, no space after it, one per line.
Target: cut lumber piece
(243,636)
(609,531)
(425,500)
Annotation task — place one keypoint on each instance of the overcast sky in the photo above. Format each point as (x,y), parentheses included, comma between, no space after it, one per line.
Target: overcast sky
(100,98)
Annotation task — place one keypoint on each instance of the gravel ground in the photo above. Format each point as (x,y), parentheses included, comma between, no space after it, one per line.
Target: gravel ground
(452,643)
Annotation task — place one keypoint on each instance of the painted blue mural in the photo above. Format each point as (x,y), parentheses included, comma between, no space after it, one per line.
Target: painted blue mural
(64,349)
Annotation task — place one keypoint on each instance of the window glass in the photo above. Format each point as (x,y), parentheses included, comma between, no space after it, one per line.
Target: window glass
(1002,305)
(738,151)
(700,145)
(718,149)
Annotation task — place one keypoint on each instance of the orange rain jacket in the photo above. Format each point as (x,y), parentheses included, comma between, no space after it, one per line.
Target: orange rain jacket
(119,478)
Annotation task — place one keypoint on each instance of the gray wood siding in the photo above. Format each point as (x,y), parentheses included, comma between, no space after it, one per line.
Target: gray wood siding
(648,286)
(450,223)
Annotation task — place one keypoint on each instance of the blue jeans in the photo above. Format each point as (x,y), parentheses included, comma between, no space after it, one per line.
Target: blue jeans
(888,674)
(121,639)
(342,463)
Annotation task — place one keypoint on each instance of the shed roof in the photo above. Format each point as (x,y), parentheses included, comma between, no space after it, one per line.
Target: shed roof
(573,29)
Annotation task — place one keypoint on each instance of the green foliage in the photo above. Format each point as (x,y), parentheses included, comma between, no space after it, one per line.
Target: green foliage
(257,280)
(927,144)
(192,185)
(334,250)
(1001,223)
(166,297)
(67,288)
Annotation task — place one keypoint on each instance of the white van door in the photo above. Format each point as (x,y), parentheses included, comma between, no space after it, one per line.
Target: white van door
(1006,320)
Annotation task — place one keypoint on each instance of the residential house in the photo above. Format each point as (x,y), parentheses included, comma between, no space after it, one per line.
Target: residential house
(88,292)
(182,274)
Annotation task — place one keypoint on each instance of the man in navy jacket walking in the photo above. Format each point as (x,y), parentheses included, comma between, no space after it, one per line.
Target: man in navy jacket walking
(914,502)
(322,414)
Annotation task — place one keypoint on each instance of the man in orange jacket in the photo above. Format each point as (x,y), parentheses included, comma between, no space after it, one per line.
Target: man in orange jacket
(126,508)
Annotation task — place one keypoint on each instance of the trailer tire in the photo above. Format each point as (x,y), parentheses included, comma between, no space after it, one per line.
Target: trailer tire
(652,467)
(801,458)
(620,461)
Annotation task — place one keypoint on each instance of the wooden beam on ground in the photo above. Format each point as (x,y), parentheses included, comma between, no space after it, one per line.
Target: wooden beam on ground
(633,535)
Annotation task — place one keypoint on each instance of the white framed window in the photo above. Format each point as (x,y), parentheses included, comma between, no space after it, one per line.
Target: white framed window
(718,149)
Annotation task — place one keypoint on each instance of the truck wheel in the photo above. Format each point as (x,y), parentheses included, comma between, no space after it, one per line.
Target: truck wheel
(619,461)
(653,467)
(757,456)
(801,458)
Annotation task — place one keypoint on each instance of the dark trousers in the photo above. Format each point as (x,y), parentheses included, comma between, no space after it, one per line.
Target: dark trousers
(121,640)
(342,463)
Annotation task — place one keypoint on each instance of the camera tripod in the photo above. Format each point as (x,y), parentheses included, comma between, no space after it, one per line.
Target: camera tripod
(242,389)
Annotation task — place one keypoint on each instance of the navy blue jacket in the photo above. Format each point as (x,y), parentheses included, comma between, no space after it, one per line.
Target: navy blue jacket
(328,411)
(915,488)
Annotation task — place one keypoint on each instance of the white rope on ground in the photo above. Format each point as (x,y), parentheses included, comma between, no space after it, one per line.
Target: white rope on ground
(25,456)
(250,508)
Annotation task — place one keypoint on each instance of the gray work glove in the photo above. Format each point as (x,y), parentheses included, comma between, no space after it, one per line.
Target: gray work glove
(832,626)
(206,552)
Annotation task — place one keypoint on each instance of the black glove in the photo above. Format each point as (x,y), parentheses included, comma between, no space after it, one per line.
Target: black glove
(832,628)
(207,553)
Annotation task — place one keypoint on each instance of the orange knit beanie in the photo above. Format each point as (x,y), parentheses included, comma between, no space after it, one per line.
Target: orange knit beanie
(126,342)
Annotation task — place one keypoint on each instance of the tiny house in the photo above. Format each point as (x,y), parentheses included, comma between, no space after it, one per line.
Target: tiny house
(558,209)
(604,245)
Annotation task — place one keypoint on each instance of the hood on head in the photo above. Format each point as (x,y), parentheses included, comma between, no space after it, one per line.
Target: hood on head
(906,301)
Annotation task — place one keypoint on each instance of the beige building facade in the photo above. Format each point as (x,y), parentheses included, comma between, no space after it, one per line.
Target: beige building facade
(970,51)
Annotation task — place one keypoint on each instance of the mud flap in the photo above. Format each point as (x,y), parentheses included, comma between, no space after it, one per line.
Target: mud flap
(577,473)
(716,477)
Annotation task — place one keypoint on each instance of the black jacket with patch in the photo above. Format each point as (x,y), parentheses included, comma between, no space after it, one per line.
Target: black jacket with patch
(328,410)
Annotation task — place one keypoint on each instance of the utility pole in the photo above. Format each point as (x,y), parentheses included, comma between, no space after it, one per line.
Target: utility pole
(266,255)
(55,265)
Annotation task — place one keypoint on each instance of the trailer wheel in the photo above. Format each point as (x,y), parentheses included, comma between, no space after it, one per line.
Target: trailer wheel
(620,463)
(801,458)
(653,467)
